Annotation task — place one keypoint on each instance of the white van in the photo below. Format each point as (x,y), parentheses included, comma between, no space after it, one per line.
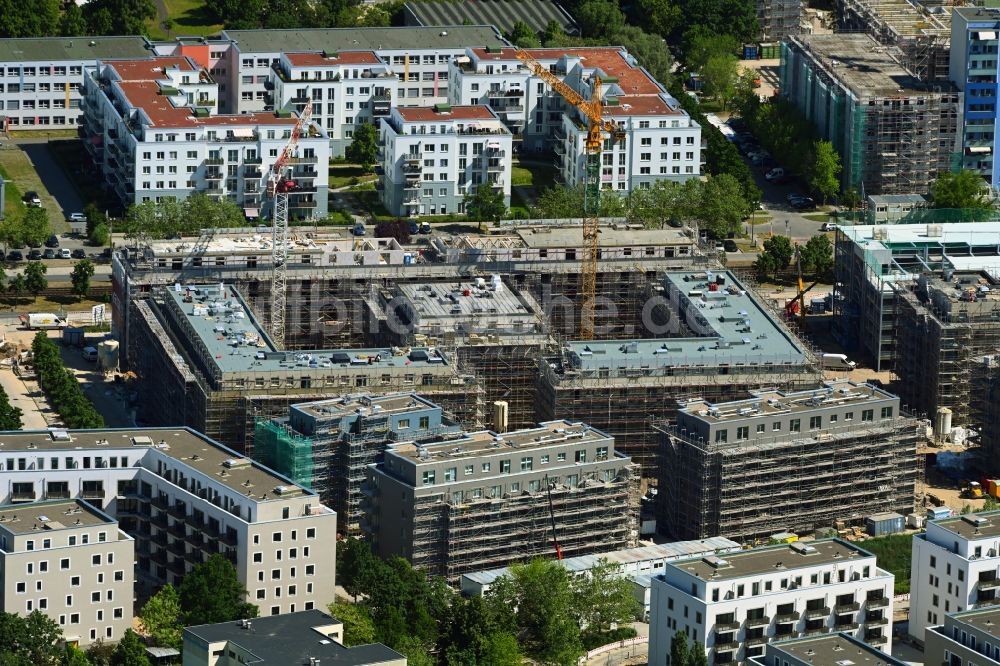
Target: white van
(837,362)
(89,354)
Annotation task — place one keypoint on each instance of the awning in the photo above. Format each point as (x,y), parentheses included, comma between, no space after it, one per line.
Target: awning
(243,132)
(251,212)
(978,150)
(986,34)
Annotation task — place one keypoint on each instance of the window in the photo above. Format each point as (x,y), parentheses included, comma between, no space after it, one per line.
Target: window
(794,425)
(526,464)
(867,414)
(276,537)
(469,469)
(486,467)
(815,422)
(64,564)
(505,467)
(581,456)
(428,477)
(742,432)
(449,474)
(721,435)
(887,412)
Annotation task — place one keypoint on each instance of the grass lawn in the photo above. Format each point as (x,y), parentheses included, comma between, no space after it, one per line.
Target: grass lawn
(190,17)
(45,134)
(818,217)
(15,166)
(533,174)
(343,175)
(893,553)
(46,304)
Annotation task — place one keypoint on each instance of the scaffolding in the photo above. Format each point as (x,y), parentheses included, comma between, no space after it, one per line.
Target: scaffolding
(287,452)
(779,19)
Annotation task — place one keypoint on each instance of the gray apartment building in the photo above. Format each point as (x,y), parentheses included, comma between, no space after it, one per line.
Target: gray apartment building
(182,497)
(71,562)
(966,638)
(824,650)
(781,460)
(328,445)
(484,501)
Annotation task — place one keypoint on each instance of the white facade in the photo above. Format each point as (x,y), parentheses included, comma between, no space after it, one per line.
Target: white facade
(954,567)
(733,605)
(152,128)
(183,497)
(433,157)
(662,142)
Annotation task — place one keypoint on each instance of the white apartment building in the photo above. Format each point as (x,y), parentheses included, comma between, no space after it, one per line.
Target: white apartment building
(182,497)
(661,140)
(734,605)
(71,562)
(954,568)
(345,90)
(152,128)
(40,78)
(432,157)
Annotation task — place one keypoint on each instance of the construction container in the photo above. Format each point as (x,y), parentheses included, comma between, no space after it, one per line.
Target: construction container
(785,537)
(993,487)
(72,336)
(769,51)
(750,52)
(881,524)
(915,521)
(938,512)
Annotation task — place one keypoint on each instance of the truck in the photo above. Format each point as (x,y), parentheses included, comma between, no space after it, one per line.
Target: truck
(36,321)
(837,362)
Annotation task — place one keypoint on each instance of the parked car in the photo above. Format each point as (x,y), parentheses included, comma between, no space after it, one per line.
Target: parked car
(31,198)
(730,245)
(829,226)
(413,226)
(803,203)
(76,217)
(774,175)
(78,253)
(15,255)
(65,253)
(52,241)
(34,255)
(359,229)
(425,227)
(50,253)
(89,353)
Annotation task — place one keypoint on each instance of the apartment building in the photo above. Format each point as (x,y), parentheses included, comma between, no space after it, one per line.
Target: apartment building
(417,55)
(732,606)
(661,142)
(827,650)
(954,568)
(70,561)
(345,89)
(304,637)
(182,497)
(431,158)
(969,637)
(791,460)
(152,128)
(973,69)
(41,78)
(487,500)
(327,445)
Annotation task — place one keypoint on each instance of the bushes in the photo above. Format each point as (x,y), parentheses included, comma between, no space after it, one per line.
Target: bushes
(893,553)
(60,386)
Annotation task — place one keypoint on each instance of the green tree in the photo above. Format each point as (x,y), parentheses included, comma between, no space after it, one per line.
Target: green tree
(537,599)
(95,216)
(720,75)
(704,45)
(17,287)
(100,235)
(485,204)
(10,416)
(851,200)
(74,656)
(212,592)
(354,559)
(817,255)
(118,17)
(72,22)
(604,597)
(34,226)
(776,255)
(522,35)
(100,652)
(600,18)
(679,653)
(697,656)
(961,189)
(723,206)
(161,618)
(82,272)
(130,651)
(824,176)
(660,16)
(475,636)
(363,149)
(60,385)
(29,18)
(552,32)
(649,50)
(34,278)
(31,640)
(359,627)
(737,18)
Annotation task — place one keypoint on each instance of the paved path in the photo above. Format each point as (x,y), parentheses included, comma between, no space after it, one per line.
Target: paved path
(26,398)
(52,175)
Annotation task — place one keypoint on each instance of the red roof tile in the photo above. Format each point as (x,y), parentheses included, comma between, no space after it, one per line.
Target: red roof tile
(341,58)
(641,105)
(150,69)
(428,114)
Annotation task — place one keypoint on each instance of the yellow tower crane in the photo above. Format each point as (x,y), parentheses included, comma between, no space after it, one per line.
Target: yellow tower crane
(597,128)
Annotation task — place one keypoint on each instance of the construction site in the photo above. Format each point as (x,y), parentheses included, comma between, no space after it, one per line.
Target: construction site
(918,32)
(562,489)
(896,133)
(328,445)
(787,461)
(779,19)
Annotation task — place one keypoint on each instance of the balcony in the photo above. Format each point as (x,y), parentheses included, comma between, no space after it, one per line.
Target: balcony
(877,602)
(308,203)
(412,185)
(412,167)
(786,618)
(848,626)
(758,622)
(413,201)
(178,548)
(92,494)
(495,166)
(989,584)
(212,191)
(852,607)
(877,621)
(229,538)
(986,603)
(505,94)
(723,627)
(727,647)
(249,160)
(822,611)
(311,159)
(23,497)
(816,632)
(875,640)
(58,494)
(213,175)
(214,161)
(759,640)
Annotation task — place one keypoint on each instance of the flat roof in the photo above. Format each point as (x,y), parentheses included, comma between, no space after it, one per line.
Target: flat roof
(774,401)
(377,39)
(225,466)
(864,66)
(973,14)
(424,114)
(784,557)
(663,551)
(397,403)
(42,517)
(971,526)
(55,49)
(502,13)
(897,198)
(834,650)
(572,237)
(236,342)
(482,306)
(312,59)
(482,442)
(290,638)
(984,619)
(736,330)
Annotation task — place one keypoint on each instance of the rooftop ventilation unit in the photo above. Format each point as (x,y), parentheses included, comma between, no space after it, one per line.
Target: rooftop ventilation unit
(236,463)
(802,548)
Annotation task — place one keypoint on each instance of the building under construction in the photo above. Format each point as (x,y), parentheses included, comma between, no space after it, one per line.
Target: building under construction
(328,445)
(204,361)
(779,19)
(489,500)
(491,330)
(794,461)
(917,31)
(986,410)
(724,343)
(895,133)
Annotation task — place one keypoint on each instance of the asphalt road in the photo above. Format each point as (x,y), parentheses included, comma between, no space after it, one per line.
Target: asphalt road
(52,175)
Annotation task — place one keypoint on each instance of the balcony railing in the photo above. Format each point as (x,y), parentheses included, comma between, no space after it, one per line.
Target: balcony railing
(23,497)
(57,494)
(727,647)
(758,621)
(849,626)
(723,627)
(823,611)
(785,618)
(94,493)
(214,161)
(252,160)
(816,631)
(877,621)
(760,640)
(989,584)
(852,607)
(877,602)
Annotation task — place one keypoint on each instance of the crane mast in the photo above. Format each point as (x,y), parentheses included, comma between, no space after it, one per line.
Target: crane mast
(597,127)
(278,190)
